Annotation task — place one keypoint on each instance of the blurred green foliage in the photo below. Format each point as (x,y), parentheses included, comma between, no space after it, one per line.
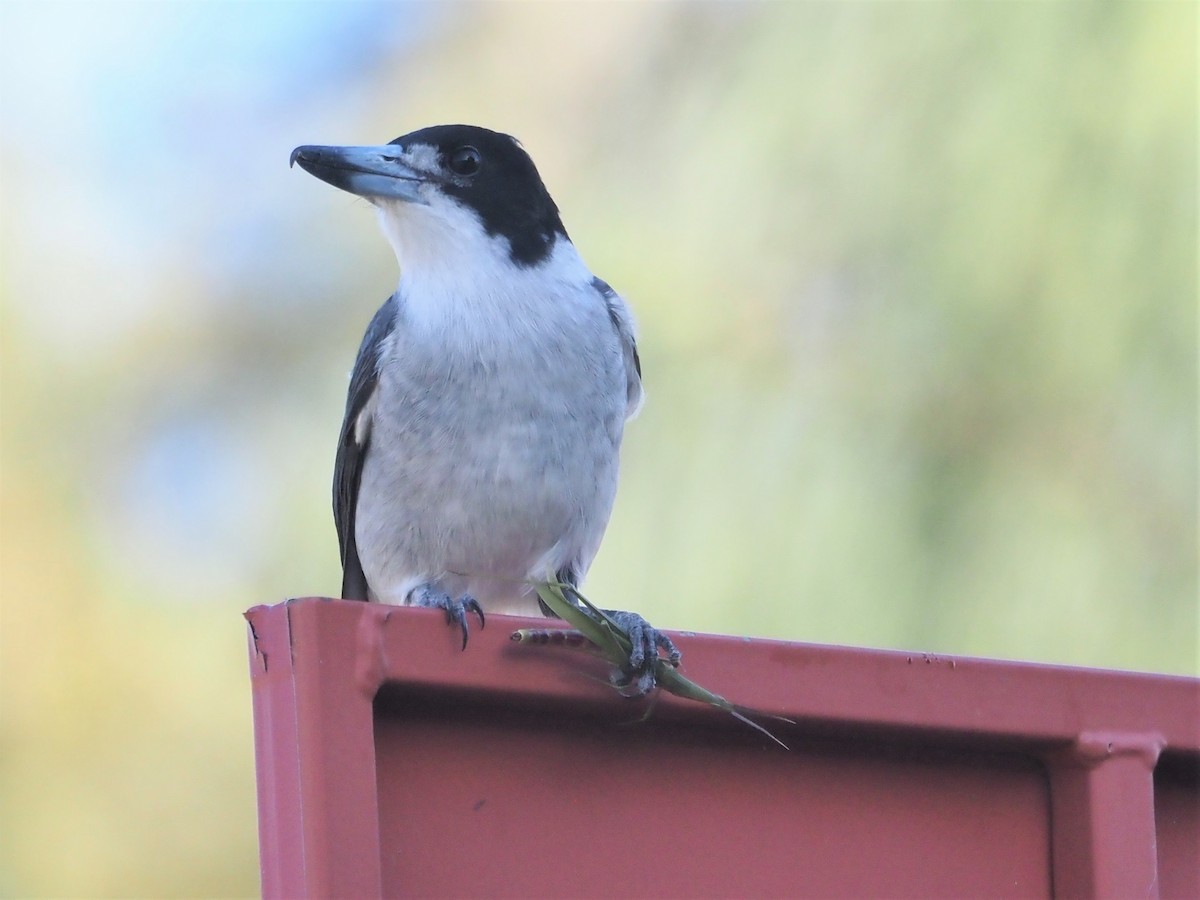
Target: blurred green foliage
(917,288)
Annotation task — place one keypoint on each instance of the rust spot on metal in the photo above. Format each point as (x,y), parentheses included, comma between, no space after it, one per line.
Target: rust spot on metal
(1093,747)
(258,659)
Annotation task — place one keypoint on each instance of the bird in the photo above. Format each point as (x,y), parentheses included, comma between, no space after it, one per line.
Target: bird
(480,444)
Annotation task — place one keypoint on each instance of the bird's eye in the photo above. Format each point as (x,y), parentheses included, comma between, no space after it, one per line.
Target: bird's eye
(464,161)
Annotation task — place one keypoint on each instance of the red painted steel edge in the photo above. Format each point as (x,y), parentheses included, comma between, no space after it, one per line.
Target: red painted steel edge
(317,666)
(315,753)
(1102,790)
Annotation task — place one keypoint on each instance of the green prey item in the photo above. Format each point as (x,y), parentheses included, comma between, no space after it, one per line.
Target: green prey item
(611,642)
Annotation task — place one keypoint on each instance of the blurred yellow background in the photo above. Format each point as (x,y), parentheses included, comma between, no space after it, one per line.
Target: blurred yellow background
(917,293)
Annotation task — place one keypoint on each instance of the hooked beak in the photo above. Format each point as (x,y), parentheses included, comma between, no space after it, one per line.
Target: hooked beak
(370,172)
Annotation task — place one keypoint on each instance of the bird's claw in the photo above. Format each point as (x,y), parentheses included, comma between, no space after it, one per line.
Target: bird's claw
(456,610)
(646,640)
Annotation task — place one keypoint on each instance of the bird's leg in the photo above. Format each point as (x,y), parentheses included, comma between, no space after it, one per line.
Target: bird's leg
(429,596)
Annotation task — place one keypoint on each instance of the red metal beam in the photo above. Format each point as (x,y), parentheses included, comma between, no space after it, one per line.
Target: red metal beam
(315,752)
(504,771)
(1102,791)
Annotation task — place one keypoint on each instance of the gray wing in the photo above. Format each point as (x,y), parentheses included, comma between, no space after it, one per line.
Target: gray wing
(354,444)
(622,321)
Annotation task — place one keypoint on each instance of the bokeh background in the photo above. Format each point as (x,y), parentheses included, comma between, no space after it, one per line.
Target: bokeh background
(918,302)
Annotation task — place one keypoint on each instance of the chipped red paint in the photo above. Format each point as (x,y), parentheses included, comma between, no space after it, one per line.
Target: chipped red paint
(392,764)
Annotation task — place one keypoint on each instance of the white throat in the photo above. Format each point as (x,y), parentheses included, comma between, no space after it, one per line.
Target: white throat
(453,274)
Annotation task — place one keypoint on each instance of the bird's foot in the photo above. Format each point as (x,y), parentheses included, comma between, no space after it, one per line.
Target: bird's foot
(430,597)
(638,673)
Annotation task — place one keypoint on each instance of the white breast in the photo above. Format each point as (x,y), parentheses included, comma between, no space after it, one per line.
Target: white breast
(497,423)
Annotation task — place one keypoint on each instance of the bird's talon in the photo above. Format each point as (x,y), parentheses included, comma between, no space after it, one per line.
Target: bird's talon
(456,610)
(646,642)
(472,605)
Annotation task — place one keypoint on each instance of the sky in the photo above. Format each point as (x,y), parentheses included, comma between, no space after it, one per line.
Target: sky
(124,123)
(144,158)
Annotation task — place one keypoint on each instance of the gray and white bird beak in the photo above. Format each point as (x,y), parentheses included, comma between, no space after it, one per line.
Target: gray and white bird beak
(370,172)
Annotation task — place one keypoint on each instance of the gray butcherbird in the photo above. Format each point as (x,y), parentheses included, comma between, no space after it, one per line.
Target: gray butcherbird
(487,403)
